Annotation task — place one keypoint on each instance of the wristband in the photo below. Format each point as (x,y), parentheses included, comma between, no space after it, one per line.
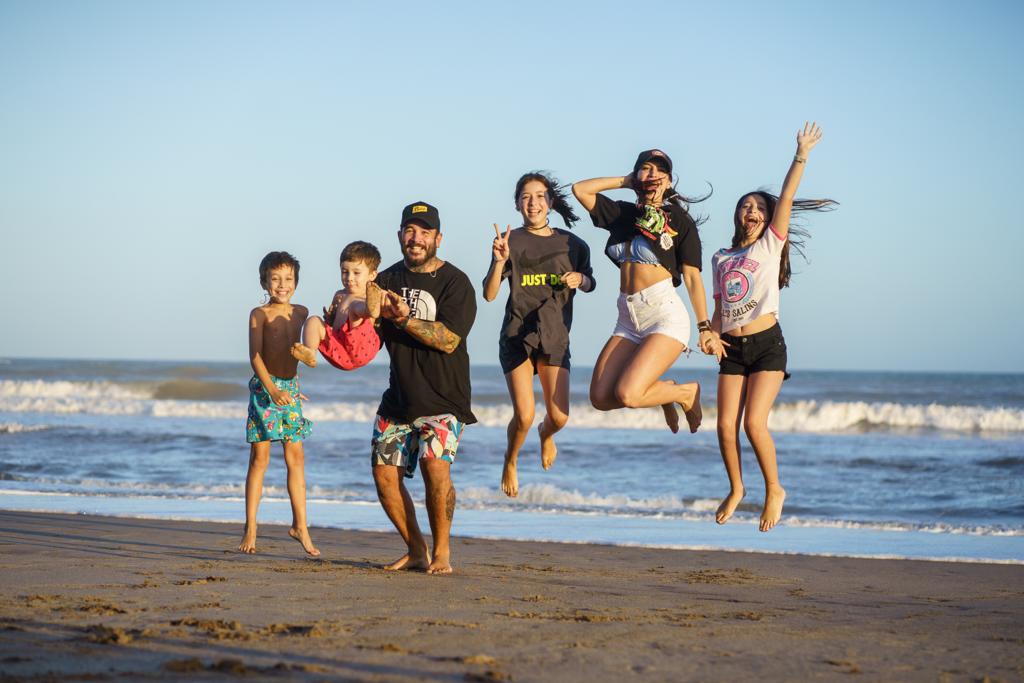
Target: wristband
(704,326)
(799,159)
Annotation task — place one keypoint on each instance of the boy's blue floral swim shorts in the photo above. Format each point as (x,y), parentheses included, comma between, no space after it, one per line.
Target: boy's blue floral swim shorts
(271,422)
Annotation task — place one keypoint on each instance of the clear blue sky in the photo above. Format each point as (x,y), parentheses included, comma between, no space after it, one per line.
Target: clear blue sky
(152,152)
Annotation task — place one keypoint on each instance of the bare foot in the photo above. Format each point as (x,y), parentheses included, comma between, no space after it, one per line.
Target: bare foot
(419,562)
(440,565)
(671,416)
(729,505)
(303,538)
(510,479)
(548,450)
(774,496)
(248,544)
(694,414)
(304,353)
(373,296)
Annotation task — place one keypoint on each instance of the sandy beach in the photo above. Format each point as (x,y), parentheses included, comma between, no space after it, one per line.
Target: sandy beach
(104,598)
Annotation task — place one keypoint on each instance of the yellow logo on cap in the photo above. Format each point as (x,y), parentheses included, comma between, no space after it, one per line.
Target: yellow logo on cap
(419,208)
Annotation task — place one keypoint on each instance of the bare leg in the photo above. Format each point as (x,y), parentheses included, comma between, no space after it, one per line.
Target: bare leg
(762,388)
(731,394)
(295,460)
(397,504)
(440,498)
(313,332)
(520,389)
(259,457)
(554,381)
(613,358)
(639,386)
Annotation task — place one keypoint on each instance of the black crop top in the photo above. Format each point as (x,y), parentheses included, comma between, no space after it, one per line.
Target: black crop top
(620,220)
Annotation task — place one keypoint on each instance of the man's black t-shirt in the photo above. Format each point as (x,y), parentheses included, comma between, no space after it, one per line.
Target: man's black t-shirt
(538,314)
(425,381)
(620,219)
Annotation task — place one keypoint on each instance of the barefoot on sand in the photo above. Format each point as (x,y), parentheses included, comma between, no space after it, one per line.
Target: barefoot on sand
(304,540)
(774,496)
(693,414)
(248,544)
(373,297)
(419,562)
(304,354)
(440,565)
(548,450)
(729,505)
(510,479)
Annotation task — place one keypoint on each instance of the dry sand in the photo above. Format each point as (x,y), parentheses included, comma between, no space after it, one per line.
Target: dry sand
(101,598)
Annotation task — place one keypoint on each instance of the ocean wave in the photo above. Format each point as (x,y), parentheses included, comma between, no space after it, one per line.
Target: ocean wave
(17,428)
(168,399)
(533,498)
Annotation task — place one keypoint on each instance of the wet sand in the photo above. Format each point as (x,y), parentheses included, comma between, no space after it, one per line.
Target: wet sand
(102,598)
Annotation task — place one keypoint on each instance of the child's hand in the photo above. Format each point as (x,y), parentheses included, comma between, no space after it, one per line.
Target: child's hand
(499,248)
(329,314)
(279,397)
(807,138)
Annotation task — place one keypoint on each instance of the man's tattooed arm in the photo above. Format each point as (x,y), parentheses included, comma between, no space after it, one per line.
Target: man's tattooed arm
(433,334)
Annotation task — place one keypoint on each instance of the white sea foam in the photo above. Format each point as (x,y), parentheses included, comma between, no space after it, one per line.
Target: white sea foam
(17,428)
(108,398)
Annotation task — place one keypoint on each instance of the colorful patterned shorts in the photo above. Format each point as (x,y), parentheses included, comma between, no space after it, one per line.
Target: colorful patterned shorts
(271,422)
(399,443)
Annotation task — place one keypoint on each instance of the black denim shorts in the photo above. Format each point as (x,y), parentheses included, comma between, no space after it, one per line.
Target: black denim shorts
(761,352)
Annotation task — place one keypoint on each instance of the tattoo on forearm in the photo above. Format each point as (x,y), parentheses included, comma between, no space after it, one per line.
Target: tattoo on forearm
(433,334)
(449,503)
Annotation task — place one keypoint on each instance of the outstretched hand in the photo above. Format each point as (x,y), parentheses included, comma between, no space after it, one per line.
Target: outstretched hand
(807,138)
(499,248)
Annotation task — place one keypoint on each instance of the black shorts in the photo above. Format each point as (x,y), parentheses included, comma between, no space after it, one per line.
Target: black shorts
(513,353)
(761,352)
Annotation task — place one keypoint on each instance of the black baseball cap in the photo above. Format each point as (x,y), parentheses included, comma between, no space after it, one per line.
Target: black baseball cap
(423,213)
(655,156)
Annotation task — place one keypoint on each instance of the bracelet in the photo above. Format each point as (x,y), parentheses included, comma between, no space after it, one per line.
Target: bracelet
(799,159)
(404,324)
(704,326)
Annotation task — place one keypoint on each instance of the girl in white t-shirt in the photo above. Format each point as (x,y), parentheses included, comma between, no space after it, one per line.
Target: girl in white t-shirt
(747,278)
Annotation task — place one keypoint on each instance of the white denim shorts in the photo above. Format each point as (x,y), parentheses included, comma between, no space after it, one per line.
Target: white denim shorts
(655,310)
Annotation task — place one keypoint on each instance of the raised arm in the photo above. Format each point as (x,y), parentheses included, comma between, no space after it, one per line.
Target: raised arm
(499,256)
(586,190)
(806,139)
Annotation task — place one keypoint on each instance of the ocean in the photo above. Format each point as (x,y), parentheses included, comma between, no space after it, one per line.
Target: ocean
(875,464)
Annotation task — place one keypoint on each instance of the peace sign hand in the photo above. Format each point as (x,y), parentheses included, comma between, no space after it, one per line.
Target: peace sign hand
(807,138)
(499,247)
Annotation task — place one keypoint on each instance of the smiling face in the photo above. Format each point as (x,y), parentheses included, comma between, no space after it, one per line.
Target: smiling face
(419,243)
(534,203)
(752,216)
(651,182)
(280,284)
(355,275)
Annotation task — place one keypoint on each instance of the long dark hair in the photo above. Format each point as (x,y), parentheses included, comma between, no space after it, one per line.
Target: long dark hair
(673,196)
(796,237)
(557,196)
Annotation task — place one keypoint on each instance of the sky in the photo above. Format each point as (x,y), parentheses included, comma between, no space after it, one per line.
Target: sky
(151,153)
